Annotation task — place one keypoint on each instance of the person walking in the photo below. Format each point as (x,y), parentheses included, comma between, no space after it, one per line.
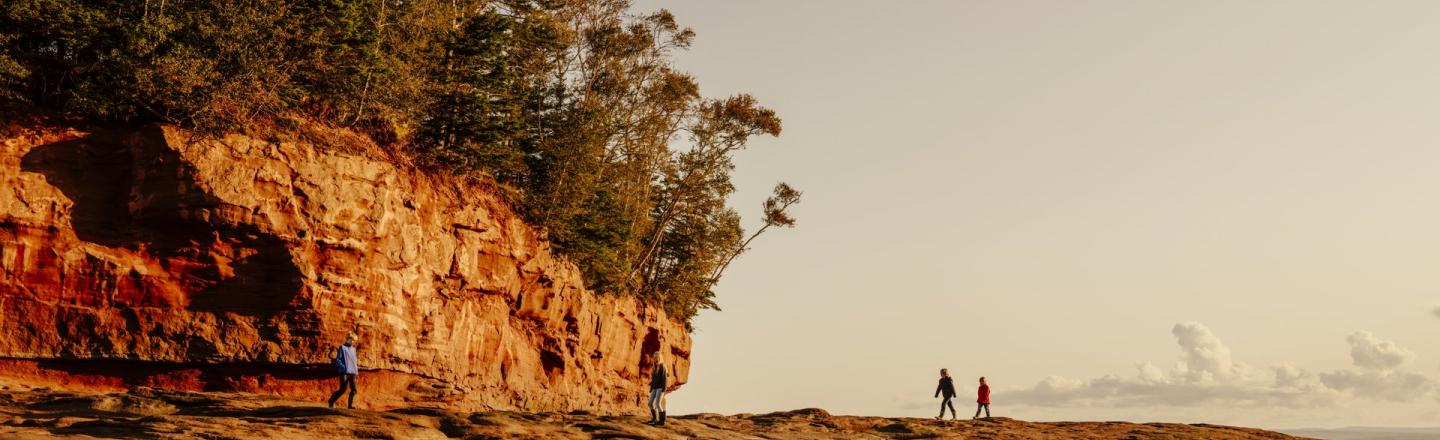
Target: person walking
(946,388)
(983,400)
(345,363)
(657,392)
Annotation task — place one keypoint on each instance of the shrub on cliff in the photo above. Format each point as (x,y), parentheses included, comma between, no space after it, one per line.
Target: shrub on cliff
(573,104)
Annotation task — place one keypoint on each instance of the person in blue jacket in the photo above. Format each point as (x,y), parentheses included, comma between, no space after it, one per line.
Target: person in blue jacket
(345,362)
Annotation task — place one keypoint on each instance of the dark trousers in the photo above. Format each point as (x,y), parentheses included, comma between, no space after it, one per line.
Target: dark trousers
(945,403)
(978,406)
(346,381)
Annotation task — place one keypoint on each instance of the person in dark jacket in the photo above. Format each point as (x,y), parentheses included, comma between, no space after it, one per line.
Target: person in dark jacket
(983,399)
(947,388)
(345,363)
(657,392)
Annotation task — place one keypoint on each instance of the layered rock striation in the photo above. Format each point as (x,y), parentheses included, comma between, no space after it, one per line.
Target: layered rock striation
(155,257)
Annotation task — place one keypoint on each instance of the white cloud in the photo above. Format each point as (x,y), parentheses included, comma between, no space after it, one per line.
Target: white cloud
(1207,374)
(1379,377)
(1394,386)
(1370,352)
(1149,373)
(1060,384)
(1205,358)
(1292,377)
(1114,391)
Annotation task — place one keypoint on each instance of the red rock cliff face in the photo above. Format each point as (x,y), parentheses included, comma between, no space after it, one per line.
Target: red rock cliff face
(153,258)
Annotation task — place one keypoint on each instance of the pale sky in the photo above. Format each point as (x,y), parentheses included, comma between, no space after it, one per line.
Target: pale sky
(1052,193)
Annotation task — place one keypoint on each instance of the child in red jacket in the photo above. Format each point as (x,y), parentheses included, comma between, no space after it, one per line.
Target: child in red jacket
(984,399)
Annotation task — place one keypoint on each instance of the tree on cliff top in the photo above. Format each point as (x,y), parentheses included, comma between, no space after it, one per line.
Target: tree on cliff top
(573,105)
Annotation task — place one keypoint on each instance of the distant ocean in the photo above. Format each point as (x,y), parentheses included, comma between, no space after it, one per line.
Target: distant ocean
(1364,433)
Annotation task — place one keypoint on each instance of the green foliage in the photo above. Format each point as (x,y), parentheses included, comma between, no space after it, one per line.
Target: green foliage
(12,74)
(217,65)
(571,104)
(476,118)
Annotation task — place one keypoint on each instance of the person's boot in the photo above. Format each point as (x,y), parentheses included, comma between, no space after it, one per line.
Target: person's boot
(654,417)
(662,419)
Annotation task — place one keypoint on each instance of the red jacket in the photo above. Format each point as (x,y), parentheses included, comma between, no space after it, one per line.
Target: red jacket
(984,394)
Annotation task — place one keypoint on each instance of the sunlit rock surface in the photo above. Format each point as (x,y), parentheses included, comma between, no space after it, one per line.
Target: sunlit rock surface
(153,414)
(153,257)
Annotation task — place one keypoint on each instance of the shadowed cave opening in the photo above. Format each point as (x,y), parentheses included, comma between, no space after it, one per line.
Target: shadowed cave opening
(648,349)
(130,192)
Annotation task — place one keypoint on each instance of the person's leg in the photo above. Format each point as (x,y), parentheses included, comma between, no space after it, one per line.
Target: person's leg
(942,407)
(353,389)
(987,410)
(336,395)
(977,410)
(655,404)
(952,409)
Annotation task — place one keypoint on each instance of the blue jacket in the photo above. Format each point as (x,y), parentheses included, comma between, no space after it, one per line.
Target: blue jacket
(345,360)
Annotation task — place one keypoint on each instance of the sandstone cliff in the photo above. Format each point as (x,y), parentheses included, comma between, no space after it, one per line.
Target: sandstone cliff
(152,257)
